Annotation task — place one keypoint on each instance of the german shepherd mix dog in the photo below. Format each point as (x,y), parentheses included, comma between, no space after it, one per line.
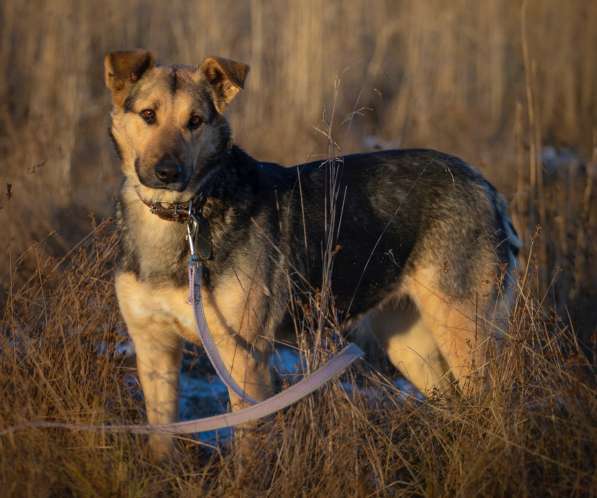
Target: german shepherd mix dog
(424,251)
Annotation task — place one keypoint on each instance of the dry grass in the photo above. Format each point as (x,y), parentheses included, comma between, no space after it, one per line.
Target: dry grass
(533,434)
(492,81)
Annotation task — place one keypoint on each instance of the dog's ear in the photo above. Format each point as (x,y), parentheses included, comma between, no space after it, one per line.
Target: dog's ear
(226,78)
(123,69)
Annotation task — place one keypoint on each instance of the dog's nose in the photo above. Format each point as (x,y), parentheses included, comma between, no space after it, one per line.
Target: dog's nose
(168,171)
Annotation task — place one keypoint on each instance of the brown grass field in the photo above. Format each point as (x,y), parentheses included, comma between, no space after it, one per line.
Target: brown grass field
(510,86)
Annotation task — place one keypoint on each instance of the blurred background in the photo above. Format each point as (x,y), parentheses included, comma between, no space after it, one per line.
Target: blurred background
(508,85)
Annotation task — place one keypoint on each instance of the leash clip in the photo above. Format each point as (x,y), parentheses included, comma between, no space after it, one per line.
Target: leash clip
(198,235)
(191,231)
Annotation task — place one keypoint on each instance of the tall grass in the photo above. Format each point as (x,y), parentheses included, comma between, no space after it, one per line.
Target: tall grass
(532,434)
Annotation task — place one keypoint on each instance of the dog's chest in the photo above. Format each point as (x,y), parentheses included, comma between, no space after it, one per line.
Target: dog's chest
(157,247)
(162,255)
(155,307)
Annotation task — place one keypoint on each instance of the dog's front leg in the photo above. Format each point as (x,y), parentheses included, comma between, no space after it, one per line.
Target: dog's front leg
(237,317)
(249,366)
(159,350)
(250,369)
(158,363)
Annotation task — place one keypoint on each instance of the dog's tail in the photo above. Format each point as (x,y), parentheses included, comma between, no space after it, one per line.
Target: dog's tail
(510,246)
(514,244)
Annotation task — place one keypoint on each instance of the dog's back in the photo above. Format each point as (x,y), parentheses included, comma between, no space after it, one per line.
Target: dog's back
(398,211)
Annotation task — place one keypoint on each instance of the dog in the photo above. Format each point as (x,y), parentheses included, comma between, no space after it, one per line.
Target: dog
(423,251)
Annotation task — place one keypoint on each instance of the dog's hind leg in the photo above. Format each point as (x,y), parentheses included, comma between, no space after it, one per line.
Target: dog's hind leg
(458,327)
(410,346)
(415,353)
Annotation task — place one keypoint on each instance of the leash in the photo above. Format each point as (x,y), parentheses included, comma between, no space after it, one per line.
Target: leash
(198,239)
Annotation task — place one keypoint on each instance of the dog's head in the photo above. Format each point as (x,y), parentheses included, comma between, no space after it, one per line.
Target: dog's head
(167,121)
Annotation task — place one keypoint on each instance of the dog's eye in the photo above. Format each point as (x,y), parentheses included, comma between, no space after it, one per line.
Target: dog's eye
(194,122)
(148,116)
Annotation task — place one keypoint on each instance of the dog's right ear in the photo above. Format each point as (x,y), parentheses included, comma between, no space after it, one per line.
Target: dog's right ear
(123,69)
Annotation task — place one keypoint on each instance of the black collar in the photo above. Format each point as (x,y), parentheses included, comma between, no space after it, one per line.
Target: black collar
(178,212)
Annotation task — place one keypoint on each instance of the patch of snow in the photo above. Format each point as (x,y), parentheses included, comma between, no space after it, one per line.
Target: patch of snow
(124,349)
(203,397)
(204,394)
(287,362)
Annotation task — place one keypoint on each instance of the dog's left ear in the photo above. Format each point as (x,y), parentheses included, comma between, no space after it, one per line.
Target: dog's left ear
(226,78)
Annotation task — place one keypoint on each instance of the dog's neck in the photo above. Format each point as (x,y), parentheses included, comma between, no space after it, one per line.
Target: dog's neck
(230,192)
(156,249)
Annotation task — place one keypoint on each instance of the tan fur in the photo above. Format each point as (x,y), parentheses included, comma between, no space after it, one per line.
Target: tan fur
(235,327)
(155,318)
(123,69)
(226,76)
(432,338)
(148,143)
(409,343)
(152,232)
